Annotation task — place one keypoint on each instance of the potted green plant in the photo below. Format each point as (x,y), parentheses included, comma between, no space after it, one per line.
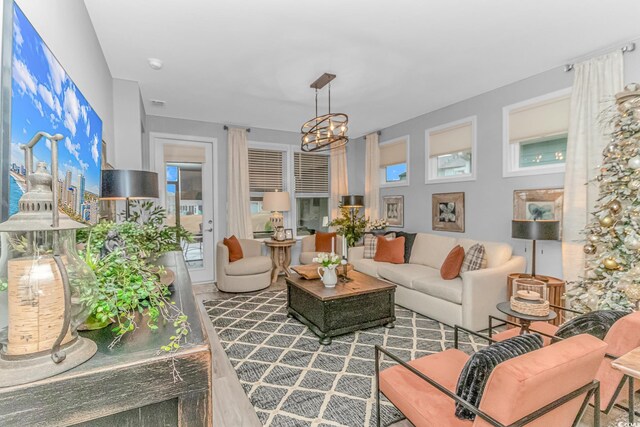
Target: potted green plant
(350,225)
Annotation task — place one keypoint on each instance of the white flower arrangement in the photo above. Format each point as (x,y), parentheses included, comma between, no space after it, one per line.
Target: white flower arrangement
(379,224)
(328,260)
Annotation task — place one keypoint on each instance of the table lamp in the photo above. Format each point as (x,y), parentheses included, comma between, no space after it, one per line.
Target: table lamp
(50,288)
(535,230)
(276,202)
(124,184)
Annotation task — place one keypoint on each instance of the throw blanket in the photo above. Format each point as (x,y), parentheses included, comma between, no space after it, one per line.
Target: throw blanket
(596,323)
(478,368)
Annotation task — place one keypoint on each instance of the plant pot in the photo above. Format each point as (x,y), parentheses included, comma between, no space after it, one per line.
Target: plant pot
(92,324)
(377,232)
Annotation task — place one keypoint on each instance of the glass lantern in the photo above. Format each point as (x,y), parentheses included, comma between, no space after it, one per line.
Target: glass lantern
(50,288)
(530,297)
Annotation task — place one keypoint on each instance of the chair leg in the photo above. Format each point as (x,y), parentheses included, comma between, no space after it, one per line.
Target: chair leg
(377,358)
(632,406)
(596,407)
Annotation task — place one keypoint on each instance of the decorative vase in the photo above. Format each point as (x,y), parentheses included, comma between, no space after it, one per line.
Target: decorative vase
(279,235)
(328,276)
(378,232)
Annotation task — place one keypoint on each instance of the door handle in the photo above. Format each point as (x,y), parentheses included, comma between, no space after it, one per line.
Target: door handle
(209,230)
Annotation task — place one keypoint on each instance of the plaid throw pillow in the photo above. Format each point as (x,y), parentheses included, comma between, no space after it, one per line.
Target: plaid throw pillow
(474,259)
(371,244)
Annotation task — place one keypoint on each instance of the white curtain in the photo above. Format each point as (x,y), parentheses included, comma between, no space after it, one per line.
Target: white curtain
(372,178)
(238,212)
(595,83)
(339,179)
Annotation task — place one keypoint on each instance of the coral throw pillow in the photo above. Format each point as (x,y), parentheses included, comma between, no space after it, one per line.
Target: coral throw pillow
(235,250)
(390,250)
(452,264)
(323,241)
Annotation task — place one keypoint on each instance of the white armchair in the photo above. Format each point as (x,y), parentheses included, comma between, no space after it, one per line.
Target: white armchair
(308,251)
(251,273)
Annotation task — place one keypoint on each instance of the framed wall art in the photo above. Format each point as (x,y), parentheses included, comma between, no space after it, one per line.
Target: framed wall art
(447,212)
(393,210)
(538,204)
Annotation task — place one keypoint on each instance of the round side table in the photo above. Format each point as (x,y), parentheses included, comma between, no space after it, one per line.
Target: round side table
(524,319)
(280,257)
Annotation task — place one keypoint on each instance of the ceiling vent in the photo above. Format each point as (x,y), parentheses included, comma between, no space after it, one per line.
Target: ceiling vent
(155,63)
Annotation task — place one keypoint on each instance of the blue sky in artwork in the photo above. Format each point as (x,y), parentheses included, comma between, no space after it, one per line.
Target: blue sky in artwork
(394,171)
(44,98)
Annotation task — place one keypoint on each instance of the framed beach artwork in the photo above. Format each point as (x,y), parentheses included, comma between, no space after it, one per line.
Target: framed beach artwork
(447,212)
(538,204)
(393,210)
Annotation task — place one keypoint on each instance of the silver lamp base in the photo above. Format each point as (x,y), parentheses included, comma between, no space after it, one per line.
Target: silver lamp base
(25,369)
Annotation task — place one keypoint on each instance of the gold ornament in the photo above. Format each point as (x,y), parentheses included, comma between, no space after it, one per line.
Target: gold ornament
(610,263)
(607,221)
(615,207)
(589,249)
(594,238)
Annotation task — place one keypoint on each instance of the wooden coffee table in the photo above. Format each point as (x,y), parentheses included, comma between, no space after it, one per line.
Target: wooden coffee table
(362,303)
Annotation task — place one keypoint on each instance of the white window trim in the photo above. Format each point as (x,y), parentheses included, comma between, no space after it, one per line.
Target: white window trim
(431,165)
(511,152)
(292,193)
(383,178)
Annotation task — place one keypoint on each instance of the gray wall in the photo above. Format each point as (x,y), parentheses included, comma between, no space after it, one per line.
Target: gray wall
(488,199)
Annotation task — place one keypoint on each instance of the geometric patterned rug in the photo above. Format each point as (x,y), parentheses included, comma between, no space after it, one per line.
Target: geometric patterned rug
(293,380)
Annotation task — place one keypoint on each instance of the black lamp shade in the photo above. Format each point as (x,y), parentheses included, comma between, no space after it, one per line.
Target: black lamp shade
(352,201)
(535,230)
(129,184)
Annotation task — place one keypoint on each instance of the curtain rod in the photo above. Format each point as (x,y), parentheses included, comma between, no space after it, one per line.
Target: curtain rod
(625,49)
(377,133)
(225,127)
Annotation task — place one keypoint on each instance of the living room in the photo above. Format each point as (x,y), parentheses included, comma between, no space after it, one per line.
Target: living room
(284,214)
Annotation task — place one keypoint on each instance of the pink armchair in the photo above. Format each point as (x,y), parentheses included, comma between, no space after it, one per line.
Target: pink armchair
(547,387)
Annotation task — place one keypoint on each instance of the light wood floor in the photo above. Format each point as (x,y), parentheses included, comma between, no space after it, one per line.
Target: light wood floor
(231,406)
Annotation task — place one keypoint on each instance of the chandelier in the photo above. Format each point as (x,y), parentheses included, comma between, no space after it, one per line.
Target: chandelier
(327,131)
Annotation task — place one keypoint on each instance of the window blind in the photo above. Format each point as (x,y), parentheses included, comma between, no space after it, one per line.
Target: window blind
(454,139)
(265,170)
(393,153)
(539,120)
(311,173)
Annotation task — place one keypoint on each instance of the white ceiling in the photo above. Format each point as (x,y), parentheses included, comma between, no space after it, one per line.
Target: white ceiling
(250,62)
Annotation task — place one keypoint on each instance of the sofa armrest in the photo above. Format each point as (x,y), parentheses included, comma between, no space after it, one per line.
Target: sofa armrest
(222,260)
(483,289)
(251,248)
(356,253)
(308,243)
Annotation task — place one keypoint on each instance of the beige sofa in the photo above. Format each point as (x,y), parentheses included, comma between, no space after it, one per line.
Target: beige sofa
(466,300)
(251,273)
(308,250)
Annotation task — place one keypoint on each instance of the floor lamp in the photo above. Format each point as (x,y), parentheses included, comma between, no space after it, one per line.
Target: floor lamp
(353,203)
(535,230)
(125,184)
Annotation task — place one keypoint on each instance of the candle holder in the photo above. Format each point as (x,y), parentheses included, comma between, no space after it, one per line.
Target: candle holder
(530,296)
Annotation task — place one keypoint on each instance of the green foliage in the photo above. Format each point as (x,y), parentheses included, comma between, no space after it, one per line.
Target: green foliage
(350,228)
(3,285)
(129,286)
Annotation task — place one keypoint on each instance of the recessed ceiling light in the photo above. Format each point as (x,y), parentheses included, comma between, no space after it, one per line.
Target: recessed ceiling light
(157,102)
(155,63)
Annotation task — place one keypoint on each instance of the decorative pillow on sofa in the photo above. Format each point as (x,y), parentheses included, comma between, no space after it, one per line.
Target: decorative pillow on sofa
(371,244)
(450,268)
(596,323)
(390,250)
(478,368)
(409,238)
(235,250)
(323,241)
(475,258)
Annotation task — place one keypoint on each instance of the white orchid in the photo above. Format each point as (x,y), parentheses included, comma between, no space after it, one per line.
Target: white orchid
(379,224)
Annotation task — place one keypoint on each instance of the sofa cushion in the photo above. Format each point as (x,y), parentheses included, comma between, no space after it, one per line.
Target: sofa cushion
(235,250)
(409,238)
(371,243)
(323,241)
(405,274)
(431,249)
(249,266)
(450,268)
(390,250)
(367,266)
(436,286)
(497,253)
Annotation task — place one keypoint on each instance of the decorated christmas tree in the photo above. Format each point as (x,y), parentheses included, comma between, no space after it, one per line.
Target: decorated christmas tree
(612,275)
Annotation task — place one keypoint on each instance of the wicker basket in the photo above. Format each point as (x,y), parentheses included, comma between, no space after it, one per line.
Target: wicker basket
(531,308)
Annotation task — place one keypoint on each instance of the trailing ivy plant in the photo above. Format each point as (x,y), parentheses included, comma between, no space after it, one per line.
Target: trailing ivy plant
(129,286)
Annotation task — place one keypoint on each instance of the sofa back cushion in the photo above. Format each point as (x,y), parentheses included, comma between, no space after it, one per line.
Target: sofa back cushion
(431,249)
(497,253)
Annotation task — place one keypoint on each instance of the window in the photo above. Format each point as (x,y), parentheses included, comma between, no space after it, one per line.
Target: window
(535,135)
(311,175)
(394,163)
(450,151)
(266,173)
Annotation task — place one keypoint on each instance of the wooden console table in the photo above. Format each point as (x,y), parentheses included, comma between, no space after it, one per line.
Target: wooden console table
(131,384)
(556,289)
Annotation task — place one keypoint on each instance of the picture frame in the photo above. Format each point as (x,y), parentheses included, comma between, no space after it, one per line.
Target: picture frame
(393,210)
(288,234)
(538,204)
(447,212)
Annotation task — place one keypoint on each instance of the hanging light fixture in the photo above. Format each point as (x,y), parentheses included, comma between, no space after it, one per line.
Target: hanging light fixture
(326,131)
